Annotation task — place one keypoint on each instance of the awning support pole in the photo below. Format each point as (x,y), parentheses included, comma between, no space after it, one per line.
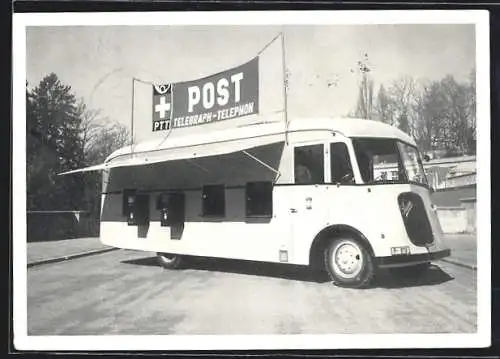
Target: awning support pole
(278,173)
(198,165)
(285,85)
(132,119)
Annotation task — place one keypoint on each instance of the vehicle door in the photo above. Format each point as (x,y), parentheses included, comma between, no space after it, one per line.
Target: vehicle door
(322,198)
(307,206)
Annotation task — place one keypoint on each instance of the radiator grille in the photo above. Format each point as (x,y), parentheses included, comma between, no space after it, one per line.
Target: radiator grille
(415,218)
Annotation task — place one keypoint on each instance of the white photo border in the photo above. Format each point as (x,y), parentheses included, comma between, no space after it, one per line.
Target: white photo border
(482,338)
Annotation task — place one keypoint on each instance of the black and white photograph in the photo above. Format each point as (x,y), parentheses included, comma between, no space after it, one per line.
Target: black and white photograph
(251,180)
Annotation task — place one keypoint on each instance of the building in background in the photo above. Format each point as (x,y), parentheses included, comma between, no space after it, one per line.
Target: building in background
(450,172)
(454,182)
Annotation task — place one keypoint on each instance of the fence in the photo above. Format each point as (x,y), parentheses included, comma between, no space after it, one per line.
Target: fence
(456,209)
(56,225)
(456,212)
(451,197)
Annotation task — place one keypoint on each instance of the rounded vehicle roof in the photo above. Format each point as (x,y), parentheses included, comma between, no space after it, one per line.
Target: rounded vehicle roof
(349,127)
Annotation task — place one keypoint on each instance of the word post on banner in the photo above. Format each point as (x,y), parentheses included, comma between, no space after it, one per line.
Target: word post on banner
(223,96)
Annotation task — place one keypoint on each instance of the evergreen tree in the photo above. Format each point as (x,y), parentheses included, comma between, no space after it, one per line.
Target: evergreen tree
(53,146)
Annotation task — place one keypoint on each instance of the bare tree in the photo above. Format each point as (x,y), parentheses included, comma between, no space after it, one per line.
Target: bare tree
(454,134)
(100,137)
(445,111)
(439,114)
(471,112)
(429,113)
(403,96)
(90,127)
(106,139)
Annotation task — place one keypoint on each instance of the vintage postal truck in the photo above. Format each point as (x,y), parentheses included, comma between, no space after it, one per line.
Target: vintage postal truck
(305,194)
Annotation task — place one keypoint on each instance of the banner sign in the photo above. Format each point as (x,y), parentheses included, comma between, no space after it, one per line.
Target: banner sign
(223,96)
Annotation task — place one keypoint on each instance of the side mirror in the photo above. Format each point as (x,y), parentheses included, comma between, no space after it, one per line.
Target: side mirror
(427,158)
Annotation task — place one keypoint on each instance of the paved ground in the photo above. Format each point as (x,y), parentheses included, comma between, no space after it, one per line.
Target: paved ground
(39,251)
(125,292)
(463,248)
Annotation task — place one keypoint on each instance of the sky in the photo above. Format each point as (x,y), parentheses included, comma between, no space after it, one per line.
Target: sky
(99,62)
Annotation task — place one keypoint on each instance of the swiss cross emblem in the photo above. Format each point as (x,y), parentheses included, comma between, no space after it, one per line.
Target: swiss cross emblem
(163,108)
(162,102)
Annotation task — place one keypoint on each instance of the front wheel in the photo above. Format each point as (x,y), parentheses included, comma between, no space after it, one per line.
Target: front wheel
(348,263)
(169,260)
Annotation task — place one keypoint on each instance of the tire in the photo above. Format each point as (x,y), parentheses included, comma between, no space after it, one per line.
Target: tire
(348,263)
(412,272)
(168,260)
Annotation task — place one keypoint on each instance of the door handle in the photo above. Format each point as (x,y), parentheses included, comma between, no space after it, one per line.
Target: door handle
(293,210)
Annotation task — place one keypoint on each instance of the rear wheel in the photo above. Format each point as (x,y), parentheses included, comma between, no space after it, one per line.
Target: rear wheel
(348,263)
(412,272)
(169,260)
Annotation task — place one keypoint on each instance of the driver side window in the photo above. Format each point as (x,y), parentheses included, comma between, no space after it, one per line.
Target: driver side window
(309,164)
(340,163)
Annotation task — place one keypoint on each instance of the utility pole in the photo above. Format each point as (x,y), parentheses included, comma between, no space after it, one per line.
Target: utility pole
(365,91)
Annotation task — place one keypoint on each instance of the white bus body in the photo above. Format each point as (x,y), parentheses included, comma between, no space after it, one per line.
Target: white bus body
(236,194)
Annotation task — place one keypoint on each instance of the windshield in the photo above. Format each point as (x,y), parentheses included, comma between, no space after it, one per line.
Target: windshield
(384,160)
(412,163)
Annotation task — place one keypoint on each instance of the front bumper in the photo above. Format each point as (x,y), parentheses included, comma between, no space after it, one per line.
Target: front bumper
(408,260)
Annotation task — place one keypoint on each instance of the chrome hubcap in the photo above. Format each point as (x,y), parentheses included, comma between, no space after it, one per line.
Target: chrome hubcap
(348,259)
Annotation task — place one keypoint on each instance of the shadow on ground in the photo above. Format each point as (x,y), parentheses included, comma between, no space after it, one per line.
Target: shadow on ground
(434,276)
(261,269)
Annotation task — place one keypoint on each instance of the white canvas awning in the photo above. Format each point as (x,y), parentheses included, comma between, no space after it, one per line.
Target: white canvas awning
(99,167)
(146,156)
(232,169)
(179,146)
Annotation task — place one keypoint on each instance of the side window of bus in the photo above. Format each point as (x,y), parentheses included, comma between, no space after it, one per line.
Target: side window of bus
(259,199)
(309,164)
(340,163)
(214,201)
